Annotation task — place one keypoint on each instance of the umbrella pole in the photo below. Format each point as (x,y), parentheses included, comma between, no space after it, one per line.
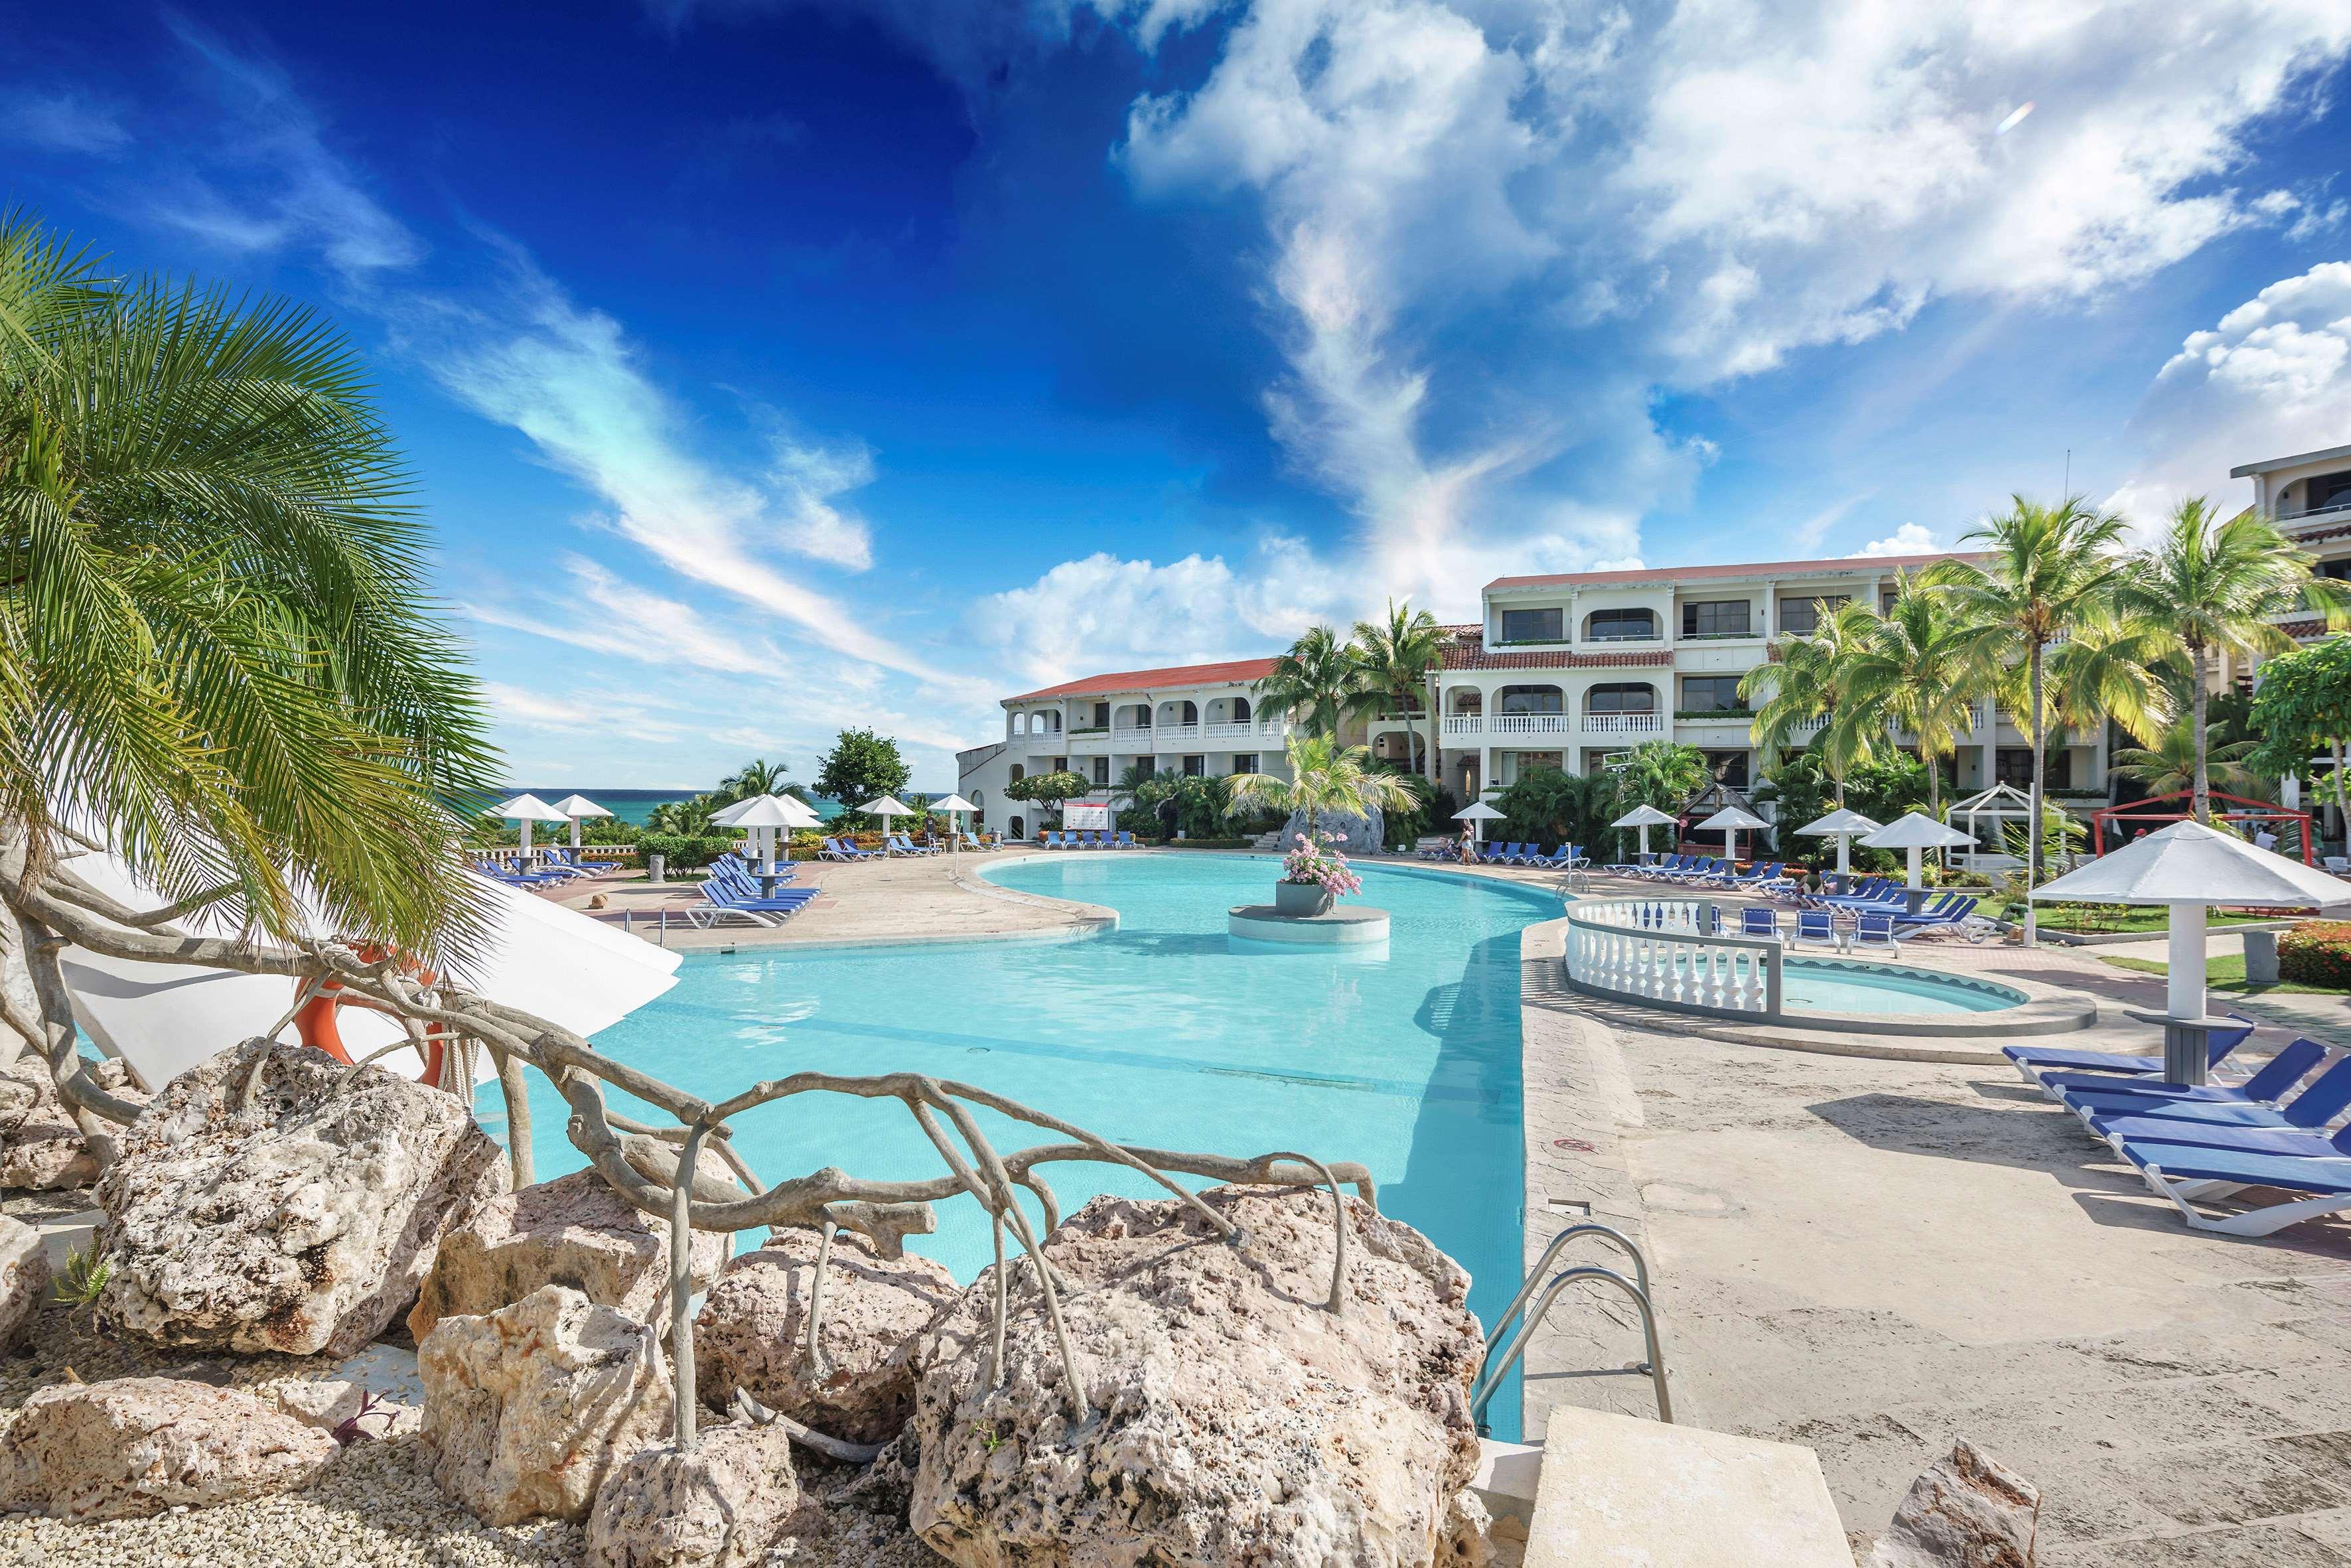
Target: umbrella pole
(1645,844)
(575,835)
(525,856)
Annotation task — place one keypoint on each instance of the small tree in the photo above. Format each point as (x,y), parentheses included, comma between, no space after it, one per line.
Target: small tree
(2303,707)
(1661,773)
(861,767)
(1557,806)
(1325,779)
(1048,790)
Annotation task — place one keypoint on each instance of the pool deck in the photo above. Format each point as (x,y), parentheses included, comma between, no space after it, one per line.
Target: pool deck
(1874,1257)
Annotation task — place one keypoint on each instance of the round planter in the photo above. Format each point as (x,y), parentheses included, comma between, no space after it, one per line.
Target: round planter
(1299,899)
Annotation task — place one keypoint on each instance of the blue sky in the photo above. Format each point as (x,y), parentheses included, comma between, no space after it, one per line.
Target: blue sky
(767,367)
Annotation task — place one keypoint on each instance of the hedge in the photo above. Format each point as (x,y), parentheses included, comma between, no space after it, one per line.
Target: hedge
(684,851)
(2317,953)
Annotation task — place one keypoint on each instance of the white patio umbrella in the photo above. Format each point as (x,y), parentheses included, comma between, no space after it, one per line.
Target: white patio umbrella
(1916,833)
(2188,867)
(887,807)
(163,1018)
(1841,824)
(526,810)
(577,807)
(954,806)
(1728,821)
(1476,814)
(763,816)
(1644,818)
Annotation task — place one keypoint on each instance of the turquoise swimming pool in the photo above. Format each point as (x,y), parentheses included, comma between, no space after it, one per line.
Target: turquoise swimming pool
(1164,1032)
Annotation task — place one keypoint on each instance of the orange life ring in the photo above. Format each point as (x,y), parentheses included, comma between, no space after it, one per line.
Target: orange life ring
(314,1019)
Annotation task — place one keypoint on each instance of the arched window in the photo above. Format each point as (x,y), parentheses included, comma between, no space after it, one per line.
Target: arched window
(1532,699)
(1620,626)
(1017,774)
(1240,710)
(1621,697)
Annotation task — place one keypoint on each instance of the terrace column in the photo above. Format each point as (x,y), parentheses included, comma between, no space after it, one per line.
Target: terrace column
(1991,741)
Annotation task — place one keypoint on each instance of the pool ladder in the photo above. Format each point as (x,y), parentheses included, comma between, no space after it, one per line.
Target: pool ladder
(1496,1368)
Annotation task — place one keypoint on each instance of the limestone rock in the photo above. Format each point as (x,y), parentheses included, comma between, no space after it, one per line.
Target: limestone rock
(526,1409)
(300,1222)
(754,1327)
(1352,834)
(1967,1510)
(137,1446)
(1235,1420)
(41,1149)
(720,1506)
(1466,1538)
(574,1230)
(23,1279)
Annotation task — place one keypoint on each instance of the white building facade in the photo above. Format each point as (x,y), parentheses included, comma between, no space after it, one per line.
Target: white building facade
(2308,496)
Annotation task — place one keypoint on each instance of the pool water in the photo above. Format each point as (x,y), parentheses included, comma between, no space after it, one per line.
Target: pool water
(1164,1032)
(1810,985)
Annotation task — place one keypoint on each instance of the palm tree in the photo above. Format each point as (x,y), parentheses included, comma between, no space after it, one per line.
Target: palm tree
(2052,570)
(756,777)
(2175,760)
(2215,585)
(216,647)
(1911,669)
(1325,780)
(1315,681)
(1802,685)
(1661,773)
(1394,660)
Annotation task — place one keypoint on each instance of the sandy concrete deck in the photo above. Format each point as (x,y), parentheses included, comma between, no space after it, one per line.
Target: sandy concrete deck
(1873,1257)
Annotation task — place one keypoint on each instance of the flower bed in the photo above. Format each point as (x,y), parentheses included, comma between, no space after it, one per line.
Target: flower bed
(1316,864)
(2317,953)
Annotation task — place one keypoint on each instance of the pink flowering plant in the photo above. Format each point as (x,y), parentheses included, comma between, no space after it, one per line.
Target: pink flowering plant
(1317,862)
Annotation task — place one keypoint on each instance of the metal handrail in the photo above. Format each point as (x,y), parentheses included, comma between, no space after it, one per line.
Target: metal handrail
(1656,1365)
(1550,1256)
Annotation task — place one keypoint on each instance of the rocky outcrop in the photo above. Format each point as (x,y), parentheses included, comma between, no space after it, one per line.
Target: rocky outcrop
(752,1333)
(1967,1510)
(345,1410)
(25,1278)
(528,1408)
(299,1219)
(574,1230)
(1235,1419)
(720,1506)
(1345,832)
(41,1149)
(138,1446)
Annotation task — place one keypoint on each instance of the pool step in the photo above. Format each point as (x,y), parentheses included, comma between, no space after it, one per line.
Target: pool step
(1616,1491)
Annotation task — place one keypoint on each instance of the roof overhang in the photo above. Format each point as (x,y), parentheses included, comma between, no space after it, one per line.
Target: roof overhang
(2273,464)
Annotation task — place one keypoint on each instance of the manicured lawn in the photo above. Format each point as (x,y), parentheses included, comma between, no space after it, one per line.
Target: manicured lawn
(2226,972)
(2062,917)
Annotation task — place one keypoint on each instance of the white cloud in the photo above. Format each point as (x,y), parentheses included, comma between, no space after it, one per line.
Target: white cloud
(63,122)
(607,615)
(1910,539)
(1807,535)
(2271,377)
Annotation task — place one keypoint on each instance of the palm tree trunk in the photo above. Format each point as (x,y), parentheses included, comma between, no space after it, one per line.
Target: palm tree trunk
(1934,786)
(2032,822)
(1436,736)
(2203,780)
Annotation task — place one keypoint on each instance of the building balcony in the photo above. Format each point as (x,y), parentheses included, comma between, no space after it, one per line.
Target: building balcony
(1502,726)
(1532,724)
(1173,737)
(1616,725)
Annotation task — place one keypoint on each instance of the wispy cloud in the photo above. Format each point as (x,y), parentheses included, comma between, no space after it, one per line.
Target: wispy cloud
(606,615)
(63,121)
(1807,535)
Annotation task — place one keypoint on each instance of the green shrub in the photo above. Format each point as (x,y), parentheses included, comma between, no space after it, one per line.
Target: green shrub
(2317,953)
(686,851)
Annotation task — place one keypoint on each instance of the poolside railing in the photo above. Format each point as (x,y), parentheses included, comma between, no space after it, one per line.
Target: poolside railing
(1672,953)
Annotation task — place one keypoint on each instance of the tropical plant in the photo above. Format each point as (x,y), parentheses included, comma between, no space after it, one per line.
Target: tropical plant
(1804,684)
(2176,762)
(689,817)
(1315,680)
(1914,669)
(216,645)
(1557,807)
(2054,573)
(1312,862)
(1325,780)
(2303,707)
(1395,661)
(1048,790)
(861,767)
(1660,773)
(758,777)
(2214,586)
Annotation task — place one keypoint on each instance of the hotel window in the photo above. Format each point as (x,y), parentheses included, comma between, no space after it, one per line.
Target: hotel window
(1532,699)
(1730,767)
(1621,697)
(1711,694)
(1102,769)
(1622,626)
(1717,618)
(1533,626)
(2014,765)
(1244,761)
(1803,613)
(1194,767)
(1061,765)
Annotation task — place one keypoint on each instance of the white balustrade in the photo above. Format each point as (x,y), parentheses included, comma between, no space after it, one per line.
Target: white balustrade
(1532,724)
(1653,950)
(1228,730)
(1461,724)
(1624,724)
(1174,734)
(1131,739)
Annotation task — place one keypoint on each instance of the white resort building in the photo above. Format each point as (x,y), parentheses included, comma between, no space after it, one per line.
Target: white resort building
(2308,496)
(1563,671)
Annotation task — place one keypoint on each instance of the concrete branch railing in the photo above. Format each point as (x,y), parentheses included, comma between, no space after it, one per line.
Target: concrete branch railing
(1671,953)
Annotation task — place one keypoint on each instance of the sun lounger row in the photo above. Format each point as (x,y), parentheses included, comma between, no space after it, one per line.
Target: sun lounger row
(556,866)
(732,889)
(1088,839)
(1565,857)
(2193,1142)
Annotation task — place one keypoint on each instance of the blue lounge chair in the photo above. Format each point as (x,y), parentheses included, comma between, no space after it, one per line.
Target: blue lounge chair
(1659,869)
(906,846)
(2106,1091)
(2028,1059)
(1758,921)
(1048,840)
(1126,841)
(2297,1129)
(1875,928)
(2186,1174)
(2322,1100)
(971,840)
(1952,914)
(1815,928)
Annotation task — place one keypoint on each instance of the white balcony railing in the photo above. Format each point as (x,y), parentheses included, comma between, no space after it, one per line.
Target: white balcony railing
(1615,723)
(1464,724)
(1174,734)
(1532,724)
(1228,729)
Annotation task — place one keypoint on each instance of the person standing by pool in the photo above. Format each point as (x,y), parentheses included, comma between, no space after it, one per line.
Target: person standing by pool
(1469,847)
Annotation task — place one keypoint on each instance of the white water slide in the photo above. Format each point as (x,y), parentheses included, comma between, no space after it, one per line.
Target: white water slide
(163,1018)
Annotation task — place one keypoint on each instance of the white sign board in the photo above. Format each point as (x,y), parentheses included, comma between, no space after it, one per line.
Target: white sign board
(1089,814)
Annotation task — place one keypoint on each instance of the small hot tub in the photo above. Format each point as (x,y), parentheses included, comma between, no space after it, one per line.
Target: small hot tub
(1849,987)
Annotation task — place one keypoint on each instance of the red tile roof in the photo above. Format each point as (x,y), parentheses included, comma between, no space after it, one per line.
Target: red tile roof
(1233,672)
(1751,569)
